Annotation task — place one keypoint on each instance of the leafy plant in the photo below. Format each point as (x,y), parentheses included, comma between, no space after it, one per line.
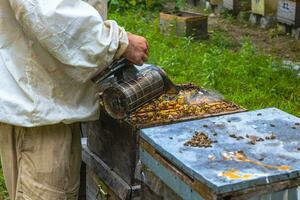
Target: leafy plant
(124,4)
(148,4)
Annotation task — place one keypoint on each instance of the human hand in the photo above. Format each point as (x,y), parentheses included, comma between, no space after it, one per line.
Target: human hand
(137,51)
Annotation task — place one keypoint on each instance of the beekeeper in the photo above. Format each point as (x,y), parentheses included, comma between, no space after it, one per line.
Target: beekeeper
(49,49)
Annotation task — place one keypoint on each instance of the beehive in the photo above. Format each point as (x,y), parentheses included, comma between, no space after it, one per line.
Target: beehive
(264,7)
(289,12)
(184,24)
(101,183)
(216,2)
(115,142)
(237,5)
(231,167)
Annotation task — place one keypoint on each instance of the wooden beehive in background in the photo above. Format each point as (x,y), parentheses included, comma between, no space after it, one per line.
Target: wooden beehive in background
(237,5)
(112,145)
(216,2)
(264,7)
(231,4)
(184,24)
(288,12)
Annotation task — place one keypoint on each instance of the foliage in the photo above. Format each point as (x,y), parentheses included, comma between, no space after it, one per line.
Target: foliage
(148,4)
(3,191)
(125,4)
(239,71)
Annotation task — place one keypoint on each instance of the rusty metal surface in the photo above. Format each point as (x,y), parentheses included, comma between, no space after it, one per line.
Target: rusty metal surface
(234,163)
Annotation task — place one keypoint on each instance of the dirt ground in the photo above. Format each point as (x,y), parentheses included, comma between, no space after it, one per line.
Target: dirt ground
(269,41)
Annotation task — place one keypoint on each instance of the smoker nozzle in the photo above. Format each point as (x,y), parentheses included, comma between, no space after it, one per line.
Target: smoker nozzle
(170,87)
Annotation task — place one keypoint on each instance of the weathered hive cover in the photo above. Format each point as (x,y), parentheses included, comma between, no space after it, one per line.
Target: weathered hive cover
(247,149)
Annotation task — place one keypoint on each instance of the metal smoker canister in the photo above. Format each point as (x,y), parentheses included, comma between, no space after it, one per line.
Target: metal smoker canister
(125,96)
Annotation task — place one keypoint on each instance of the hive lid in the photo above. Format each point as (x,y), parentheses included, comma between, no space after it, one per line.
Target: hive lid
(223,167)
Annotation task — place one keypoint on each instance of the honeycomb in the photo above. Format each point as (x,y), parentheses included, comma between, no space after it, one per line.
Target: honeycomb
(191,101)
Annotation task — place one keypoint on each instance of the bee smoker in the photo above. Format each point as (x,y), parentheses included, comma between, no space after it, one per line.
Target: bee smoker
(133,87)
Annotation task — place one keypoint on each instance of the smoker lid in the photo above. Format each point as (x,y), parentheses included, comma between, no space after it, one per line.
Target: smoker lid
(272,160)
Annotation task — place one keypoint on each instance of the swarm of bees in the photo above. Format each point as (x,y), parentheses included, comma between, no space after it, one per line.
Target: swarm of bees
(199,140)
(190,102)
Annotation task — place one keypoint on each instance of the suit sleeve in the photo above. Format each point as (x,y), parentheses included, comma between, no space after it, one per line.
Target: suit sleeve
(73,32)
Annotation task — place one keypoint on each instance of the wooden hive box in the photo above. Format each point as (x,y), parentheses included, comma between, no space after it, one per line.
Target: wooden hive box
(289,12)
(184,24)
(233,167)
(215,2)
(264,7)
(231,5)
(237,5)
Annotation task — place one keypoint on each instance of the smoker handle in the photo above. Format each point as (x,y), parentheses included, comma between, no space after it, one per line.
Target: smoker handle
(115,66)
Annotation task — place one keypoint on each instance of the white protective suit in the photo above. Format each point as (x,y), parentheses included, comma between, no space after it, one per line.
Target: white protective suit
(48,51)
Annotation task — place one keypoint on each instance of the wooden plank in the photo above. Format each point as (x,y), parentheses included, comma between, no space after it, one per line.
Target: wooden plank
(297,20)
(181,188)
(203,190)
(207,193)
(115,142)
(154,188)
(149,194)
(113,181)
(82,189)
(262,190)
(96,187)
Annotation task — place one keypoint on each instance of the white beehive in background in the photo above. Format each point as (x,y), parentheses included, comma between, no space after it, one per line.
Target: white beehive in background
(288,12)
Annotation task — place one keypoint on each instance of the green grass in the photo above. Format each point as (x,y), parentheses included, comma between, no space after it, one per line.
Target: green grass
(239,71)
(3,191)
